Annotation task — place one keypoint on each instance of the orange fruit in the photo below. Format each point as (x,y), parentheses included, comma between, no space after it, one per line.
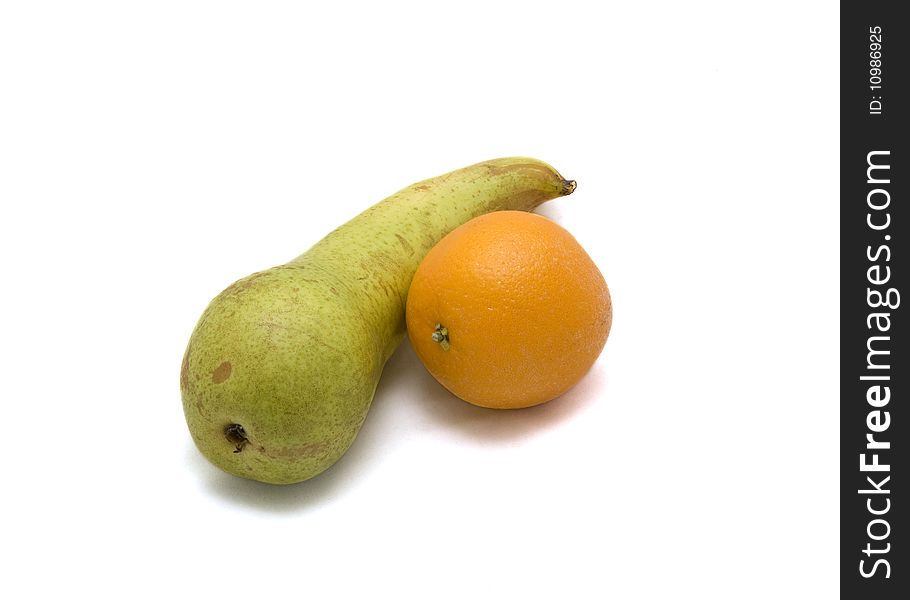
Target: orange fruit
(508,310)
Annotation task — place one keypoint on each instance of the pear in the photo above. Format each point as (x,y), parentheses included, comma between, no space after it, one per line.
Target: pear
(280,371)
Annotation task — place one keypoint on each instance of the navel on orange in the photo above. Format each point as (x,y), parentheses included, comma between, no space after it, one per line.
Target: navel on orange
(508,310)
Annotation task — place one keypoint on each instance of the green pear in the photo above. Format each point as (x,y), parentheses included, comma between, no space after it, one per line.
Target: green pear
(281,368)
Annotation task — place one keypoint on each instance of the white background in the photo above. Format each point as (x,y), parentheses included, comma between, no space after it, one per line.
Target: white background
(152,153)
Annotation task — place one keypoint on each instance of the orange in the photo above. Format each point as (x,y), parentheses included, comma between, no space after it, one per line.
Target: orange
(508,310)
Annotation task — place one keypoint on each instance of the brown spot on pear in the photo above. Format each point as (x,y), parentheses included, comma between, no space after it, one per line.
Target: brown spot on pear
(221,372)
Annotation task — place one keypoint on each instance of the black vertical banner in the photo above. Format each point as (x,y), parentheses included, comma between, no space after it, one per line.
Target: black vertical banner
(875,369)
